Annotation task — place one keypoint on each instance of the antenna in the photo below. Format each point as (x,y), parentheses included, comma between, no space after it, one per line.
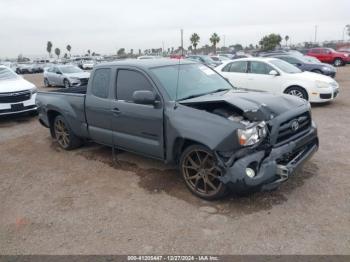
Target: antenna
(178,69)
(177,82)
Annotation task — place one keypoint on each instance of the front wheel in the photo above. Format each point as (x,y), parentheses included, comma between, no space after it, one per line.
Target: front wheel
(297,91)
(66,83)
(201,174)
(64,135)
(338,62)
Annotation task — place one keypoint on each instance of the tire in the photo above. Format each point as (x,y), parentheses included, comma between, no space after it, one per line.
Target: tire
(317,71)
(46,82)
(297,91)
(200,172)
(64,134)
(338,62)
(66,83)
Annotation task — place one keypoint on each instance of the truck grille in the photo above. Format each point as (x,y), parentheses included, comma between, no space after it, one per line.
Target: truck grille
(15,97)
(293,126)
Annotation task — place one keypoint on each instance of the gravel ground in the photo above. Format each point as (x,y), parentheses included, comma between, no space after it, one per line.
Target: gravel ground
(80,202)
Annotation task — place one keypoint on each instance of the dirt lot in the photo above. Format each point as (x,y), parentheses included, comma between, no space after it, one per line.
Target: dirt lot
(80,202)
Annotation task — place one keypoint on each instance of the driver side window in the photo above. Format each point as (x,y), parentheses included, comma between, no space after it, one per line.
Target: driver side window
(129,81)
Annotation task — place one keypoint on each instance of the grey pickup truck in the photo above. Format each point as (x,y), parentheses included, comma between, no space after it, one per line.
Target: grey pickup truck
(185,113)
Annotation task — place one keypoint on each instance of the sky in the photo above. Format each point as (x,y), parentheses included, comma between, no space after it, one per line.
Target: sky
(104,26)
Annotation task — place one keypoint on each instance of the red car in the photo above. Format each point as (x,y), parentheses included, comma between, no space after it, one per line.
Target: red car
(329,55)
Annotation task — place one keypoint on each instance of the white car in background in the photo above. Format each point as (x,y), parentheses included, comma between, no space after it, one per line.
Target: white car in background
(16,94)
(277,76)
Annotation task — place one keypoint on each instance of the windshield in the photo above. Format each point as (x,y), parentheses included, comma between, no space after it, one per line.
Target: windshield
(285,67)
(70,70)
(194,80)
(7,74)
(312,59)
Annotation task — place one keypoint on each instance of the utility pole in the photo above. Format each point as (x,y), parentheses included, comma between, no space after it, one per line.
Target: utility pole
(182,42)
(316,27)
(344,29)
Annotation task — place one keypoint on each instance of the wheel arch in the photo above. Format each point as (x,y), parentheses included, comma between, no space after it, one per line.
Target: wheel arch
(299,86)
(180,144)
(51,115)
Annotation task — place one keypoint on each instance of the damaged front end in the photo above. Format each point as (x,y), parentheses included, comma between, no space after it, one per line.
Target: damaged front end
(271,146)
(271,153)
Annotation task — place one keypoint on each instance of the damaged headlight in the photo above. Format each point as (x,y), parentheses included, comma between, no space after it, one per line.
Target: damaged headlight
(252,135)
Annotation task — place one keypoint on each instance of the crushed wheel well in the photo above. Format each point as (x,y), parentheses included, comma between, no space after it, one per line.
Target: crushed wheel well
(52,114)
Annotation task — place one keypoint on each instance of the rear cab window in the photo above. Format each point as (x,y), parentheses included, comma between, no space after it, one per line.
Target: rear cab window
(101,82)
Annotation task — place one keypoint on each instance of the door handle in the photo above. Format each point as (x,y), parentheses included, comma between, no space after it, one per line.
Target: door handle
(116,111)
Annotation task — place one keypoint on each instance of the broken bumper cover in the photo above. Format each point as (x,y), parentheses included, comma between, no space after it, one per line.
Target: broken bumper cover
(271,169)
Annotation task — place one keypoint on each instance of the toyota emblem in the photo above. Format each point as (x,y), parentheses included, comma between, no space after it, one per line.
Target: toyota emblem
(295,125)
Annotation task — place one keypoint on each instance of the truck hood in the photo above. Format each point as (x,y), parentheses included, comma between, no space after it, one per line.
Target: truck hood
(255,106)
(79,75)
(14,85)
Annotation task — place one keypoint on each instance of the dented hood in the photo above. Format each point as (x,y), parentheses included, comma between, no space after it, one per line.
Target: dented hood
(254,105)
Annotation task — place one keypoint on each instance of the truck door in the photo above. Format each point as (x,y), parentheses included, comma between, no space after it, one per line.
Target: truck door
(136,127)
(98,106)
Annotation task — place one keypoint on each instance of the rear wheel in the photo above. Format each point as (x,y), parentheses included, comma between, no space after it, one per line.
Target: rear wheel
(297,91)
(64,135)
(201,174)
(338,62)
(66,83)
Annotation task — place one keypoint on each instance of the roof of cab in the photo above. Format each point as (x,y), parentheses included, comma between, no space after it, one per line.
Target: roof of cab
(147,63)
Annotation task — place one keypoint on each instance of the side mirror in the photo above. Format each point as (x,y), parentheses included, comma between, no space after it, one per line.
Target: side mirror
(273,73)
(59,73)
(144,97)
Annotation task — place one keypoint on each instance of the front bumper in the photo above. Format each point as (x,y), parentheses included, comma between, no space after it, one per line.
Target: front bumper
(271,168)
(322,95)
(18,107)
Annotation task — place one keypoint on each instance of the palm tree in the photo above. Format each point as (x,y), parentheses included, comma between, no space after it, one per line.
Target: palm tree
(68,49)
(195,40)
(286,38)
(57,52)
(49,48)
(214,39)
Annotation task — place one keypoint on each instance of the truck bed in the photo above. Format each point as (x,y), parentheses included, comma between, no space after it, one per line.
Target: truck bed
(69,102)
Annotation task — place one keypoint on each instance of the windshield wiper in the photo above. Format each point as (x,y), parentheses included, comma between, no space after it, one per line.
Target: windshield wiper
(203,94)
(192,96)
(219,90)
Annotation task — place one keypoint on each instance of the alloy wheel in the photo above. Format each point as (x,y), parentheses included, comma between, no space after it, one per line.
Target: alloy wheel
(201,173)
(297,93)
(62,134)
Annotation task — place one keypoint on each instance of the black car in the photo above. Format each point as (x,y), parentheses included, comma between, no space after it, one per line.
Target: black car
(306,65)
